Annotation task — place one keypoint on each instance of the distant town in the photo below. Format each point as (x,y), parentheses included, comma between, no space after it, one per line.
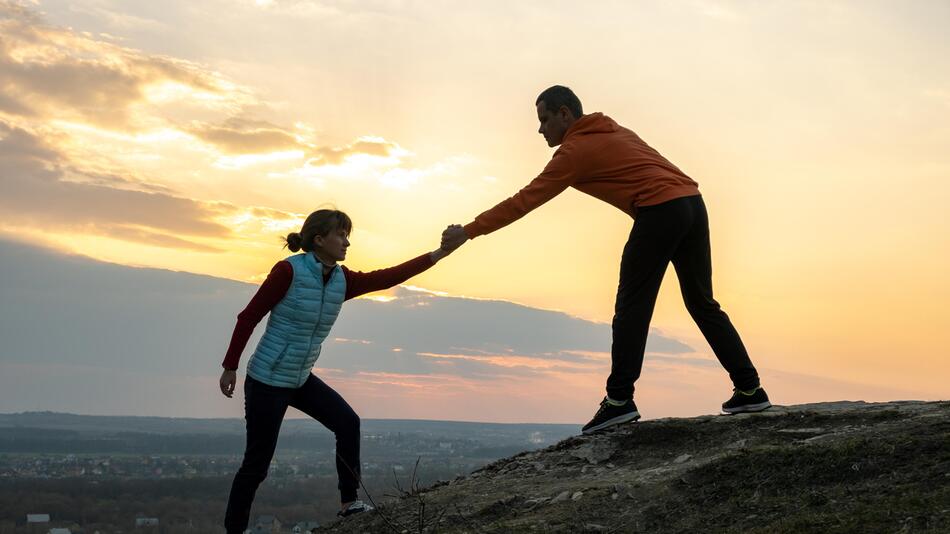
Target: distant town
(69,474)
(386,453)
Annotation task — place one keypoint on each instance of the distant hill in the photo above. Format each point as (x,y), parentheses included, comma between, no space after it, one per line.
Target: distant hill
(52,432)
(110,424)
(185,425)
(833,467)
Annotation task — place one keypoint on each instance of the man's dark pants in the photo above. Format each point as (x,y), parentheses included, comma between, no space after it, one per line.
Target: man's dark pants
(264,408)
(677,231)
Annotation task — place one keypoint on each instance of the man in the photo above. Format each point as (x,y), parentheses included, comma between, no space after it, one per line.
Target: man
(605,160)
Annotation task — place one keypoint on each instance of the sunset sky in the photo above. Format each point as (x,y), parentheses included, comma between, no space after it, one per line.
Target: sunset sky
(191,135)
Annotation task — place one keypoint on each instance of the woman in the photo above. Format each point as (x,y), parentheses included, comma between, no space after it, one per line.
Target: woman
(303,295)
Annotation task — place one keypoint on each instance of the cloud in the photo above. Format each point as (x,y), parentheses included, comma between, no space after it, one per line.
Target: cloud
(148,237)
(48,71)
(122,22)
(113,180)
(244,142)
(367,146)
(508,361)
(39,189)
(275,214)
(12,105)
(92,130)
(378,160)
(245,136)
(68,98)
(179,325)
(476,339)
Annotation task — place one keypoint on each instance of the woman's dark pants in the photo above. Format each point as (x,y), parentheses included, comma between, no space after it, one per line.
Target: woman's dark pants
(676,231)
(264,408)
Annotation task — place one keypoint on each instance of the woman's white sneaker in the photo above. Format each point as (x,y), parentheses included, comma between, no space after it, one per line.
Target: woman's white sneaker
(355,507)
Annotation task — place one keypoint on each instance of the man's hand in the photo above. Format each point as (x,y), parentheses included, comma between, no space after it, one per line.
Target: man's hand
(227,382)
(453,237)
(444,250)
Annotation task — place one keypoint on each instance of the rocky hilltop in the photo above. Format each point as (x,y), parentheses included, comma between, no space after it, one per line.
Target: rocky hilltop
(830,467)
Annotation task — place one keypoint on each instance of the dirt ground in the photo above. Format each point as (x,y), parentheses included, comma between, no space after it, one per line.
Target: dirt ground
(830,467)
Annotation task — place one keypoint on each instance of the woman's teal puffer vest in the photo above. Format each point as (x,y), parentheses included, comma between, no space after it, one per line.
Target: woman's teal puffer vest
(298,324)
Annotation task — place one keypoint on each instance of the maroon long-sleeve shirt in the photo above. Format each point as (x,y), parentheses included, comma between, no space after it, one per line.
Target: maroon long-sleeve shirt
(278,282)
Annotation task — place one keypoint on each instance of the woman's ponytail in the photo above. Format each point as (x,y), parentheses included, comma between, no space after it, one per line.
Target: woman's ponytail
(293,240)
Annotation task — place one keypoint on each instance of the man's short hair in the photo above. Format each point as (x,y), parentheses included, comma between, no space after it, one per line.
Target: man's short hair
(556,96)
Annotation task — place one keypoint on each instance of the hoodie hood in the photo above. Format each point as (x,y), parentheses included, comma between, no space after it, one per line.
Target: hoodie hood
(593,123)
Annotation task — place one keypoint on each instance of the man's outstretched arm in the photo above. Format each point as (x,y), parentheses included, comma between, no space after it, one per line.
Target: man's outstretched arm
(559,174)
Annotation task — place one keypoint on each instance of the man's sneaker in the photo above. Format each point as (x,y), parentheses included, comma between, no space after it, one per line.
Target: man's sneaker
(744,402)
(610,415)
(355,507)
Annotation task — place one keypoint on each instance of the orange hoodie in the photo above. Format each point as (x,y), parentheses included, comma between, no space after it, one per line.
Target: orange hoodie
(603,159)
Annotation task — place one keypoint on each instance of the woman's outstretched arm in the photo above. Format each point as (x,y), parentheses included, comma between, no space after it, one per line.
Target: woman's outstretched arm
(360,283)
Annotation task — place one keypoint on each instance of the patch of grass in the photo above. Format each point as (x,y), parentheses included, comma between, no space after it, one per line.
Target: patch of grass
(885,481)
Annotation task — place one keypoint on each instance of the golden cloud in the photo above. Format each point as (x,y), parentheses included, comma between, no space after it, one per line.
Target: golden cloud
(78,114)
(40,190)
(370,146)
(510,361)
(246,141)
(149,237)
(48,71)
(244,136)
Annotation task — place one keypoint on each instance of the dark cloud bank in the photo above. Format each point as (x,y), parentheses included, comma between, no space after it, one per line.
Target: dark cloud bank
(156,325)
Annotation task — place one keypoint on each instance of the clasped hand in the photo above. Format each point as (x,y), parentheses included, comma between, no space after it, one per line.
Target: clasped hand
(453,237)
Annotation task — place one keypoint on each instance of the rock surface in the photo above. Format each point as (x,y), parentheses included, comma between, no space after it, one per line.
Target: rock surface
(830,467)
